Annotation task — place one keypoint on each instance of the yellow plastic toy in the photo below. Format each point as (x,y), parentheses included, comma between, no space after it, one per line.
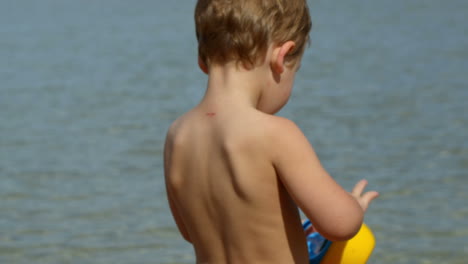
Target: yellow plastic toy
(357,250)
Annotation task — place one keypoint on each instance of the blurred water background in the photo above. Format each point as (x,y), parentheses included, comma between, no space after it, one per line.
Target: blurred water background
(88,89)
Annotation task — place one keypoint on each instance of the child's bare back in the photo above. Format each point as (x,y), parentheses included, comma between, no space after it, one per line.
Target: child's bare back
(235,173)
(224,186)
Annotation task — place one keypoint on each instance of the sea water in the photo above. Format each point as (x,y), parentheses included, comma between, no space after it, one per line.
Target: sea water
(88,89)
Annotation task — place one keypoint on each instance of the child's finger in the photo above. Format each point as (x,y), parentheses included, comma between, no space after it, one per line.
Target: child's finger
(359,188)
(369,196)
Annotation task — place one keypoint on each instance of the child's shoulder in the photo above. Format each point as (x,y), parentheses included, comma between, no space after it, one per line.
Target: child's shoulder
(275,134)
(282,128)
(184,120)
(178,130)
(256,126)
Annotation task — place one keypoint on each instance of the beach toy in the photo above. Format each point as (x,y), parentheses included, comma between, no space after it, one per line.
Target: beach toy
(357,250)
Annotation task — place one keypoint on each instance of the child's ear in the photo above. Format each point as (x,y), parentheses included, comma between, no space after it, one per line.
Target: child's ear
(279,55)
(202,65)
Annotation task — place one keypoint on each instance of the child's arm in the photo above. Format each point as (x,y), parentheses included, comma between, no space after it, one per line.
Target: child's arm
(335,213)
(170,199)
(177,218)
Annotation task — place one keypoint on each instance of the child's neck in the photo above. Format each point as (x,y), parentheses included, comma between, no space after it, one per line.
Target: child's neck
(229,85)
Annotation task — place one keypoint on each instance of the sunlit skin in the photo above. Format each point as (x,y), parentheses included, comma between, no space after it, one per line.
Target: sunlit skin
(236,173)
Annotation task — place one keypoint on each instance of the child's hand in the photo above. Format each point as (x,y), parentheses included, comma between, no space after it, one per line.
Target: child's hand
(366,198)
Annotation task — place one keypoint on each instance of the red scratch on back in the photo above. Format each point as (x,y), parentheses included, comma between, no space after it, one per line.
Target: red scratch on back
(210,114)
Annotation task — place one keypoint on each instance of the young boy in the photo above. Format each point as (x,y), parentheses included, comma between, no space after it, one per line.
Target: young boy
(235,173)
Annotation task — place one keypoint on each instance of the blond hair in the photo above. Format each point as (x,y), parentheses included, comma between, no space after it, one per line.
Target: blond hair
(242,30)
